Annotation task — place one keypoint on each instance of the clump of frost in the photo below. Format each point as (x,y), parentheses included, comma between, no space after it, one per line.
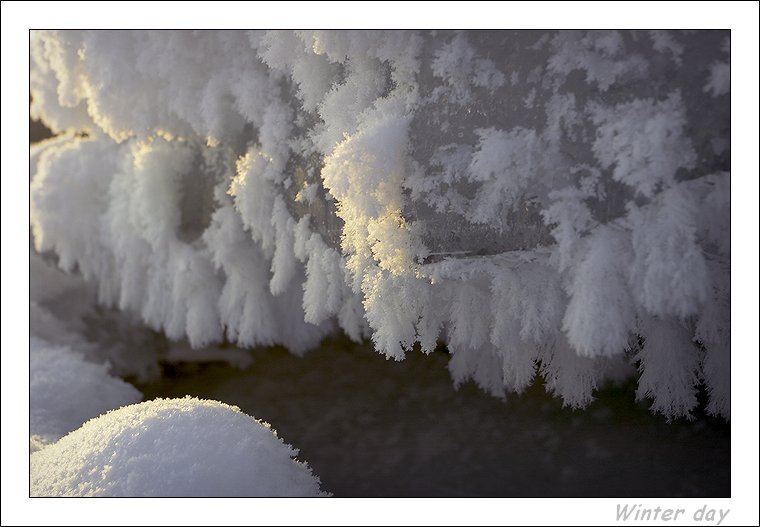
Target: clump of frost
(664,42)
(669,368)
(503,166)
(669,266)
(602,55)
(719,78)
(458,65)
(643,142)
(172,447)
(719,82)
(598,320)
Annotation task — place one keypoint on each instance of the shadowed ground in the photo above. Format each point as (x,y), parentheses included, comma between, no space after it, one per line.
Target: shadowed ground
(371,427)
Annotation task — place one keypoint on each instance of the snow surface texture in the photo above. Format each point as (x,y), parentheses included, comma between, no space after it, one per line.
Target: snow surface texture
(551,203)
(172,447)
(65,391)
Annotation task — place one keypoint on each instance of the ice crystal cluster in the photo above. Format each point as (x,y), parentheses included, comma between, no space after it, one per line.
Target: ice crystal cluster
(542,203)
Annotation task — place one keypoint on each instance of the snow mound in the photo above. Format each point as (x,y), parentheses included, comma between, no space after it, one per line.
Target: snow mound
(65,391)
(172,447)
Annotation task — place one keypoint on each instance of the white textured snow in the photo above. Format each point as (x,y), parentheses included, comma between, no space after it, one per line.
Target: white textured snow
(65,391)
(172,447)
(541,202)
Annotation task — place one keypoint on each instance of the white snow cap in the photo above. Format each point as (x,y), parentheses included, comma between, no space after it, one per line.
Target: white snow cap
(172,447)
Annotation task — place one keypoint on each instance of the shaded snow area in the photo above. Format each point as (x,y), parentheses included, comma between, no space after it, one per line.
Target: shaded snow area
(543,215)
(171,447)
(70,380)
(65,391)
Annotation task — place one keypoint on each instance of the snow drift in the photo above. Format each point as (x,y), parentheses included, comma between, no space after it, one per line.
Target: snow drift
(172,447)
(552,203)
(65,391)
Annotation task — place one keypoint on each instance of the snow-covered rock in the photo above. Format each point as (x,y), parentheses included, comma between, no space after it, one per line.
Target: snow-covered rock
(172,447)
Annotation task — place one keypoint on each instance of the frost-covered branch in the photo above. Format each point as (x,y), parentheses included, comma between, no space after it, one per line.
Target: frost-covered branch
(532,199)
